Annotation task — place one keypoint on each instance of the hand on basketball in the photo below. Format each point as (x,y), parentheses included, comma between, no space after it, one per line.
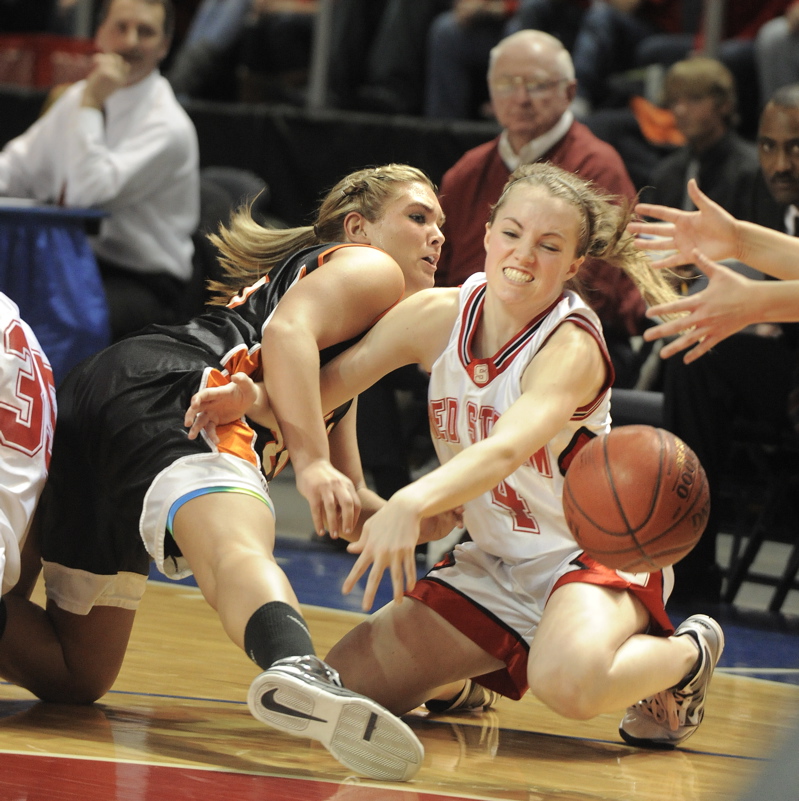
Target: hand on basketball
(332,497)
(720,310)
(216,406)
(710,229)
(388,541)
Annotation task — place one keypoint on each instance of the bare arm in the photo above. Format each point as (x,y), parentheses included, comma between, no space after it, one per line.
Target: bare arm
(729,304)
(716,233)
(415,331)
(216,406)
(345,456)
(330,305)
(566,374)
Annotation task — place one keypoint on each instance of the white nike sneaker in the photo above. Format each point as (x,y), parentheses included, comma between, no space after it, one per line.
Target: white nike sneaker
(670,717)
(304,696)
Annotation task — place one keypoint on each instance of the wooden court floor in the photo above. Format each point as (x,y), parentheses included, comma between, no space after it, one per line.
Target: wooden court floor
(176,727)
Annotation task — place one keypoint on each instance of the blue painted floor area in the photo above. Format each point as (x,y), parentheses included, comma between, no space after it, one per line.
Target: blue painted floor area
(316,571)
(762,645)
(759,644)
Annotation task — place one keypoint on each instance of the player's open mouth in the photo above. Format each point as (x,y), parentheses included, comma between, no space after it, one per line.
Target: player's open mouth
(517,276)
(430,260)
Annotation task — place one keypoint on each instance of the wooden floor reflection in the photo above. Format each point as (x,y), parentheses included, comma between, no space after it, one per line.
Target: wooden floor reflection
(176,727)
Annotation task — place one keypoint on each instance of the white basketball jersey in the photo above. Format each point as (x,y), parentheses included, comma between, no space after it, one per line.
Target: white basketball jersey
(522,517)
(27,422)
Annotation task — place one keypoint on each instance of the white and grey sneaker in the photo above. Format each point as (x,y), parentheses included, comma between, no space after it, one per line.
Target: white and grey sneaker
(472,698)
(670,717)
(304,696)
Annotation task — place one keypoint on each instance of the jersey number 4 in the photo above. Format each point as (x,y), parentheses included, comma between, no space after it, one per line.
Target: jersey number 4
(507,498)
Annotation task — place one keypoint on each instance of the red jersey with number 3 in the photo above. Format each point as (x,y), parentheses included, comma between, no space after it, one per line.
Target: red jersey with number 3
(522,517)
(27,422)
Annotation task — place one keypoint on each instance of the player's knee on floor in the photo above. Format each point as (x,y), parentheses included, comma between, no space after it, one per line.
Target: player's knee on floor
(78,688)
(572,696)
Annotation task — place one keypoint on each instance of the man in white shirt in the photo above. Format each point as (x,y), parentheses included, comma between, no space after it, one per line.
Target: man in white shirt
(119,141)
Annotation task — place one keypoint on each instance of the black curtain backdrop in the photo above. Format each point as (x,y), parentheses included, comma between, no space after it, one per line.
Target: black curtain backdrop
(302,154)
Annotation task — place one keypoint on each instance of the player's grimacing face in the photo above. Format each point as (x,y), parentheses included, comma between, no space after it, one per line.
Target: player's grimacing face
(531,246)
(409,230)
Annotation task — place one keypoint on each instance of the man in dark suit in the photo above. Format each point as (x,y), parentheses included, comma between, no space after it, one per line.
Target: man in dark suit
(700,93)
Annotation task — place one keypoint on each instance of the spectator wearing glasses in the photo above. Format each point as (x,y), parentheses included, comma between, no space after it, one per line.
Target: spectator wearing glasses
(531,84)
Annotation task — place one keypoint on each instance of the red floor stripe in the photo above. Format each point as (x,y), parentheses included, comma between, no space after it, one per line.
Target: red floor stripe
(25,777)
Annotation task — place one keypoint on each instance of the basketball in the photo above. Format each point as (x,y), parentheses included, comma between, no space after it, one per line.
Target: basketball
(636,499)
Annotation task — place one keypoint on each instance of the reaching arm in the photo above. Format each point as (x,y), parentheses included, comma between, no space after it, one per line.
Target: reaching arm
(346,457)
(332,304)
(413,332)
(566,374)
(716,233)
(729,304)
(216,406)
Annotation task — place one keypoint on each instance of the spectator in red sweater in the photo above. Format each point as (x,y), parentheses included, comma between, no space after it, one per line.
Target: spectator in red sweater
(531,84)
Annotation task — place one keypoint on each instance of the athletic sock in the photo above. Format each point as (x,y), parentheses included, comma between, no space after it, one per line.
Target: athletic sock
(276,631)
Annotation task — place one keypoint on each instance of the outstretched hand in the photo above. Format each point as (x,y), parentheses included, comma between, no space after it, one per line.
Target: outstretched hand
(719,310)
(388,541)
(216,406)
(710,229)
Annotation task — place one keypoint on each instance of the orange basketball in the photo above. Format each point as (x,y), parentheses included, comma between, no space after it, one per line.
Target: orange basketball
(636,499)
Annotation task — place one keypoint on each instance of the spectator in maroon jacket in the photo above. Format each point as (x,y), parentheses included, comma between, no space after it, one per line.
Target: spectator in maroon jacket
(531,83)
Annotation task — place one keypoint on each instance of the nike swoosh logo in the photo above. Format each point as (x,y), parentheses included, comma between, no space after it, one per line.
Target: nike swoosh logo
(268,702)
